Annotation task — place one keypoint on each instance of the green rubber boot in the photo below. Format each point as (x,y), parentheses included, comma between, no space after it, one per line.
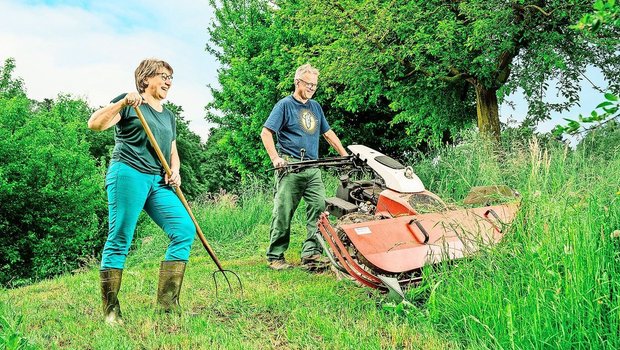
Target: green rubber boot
(170,279)
(110,285)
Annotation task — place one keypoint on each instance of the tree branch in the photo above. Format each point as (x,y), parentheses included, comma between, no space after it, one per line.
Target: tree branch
(539,9)
(593,127)
(591,83)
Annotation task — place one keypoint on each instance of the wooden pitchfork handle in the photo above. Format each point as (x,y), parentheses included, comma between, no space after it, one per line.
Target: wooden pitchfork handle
(163,161)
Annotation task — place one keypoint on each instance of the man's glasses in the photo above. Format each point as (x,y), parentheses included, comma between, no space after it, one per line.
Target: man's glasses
(310,86)
(165,76)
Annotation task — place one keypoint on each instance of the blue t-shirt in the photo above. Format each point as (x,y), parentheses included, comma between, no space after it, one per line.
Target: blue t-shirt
(297,126)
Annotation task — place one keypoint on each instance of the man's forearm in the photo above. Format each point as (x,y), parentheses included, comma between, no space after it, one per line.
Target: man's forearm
(334,141)
(267,138)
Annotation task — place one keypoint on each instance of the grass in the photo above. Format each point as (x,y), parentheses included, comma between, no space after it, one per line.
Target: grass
(278,310)
(552,283)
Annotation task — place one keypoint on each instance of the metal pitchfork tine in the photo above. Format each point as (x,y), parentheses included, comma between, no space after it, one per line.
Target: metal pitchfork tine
(205,244)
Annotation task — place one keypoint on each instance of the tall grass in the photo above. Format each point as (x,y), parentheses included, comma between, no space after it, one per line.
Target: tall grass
(553,282)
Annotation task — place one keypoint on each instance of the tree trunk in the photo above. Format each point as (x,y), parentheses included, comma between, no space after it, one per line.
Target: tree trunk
(488,112)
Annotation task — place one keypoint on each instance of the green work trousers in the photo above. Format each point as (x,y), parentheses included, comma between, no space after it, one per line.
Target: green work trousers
(291,188)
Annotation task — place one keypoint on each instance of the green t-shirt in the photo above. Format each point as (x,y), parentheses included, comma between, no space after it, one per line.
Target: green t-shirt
(132,146)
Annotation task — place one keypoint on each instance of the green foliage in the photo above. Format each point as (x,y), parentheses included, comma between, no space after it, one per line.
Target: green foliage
(10,336)
(220,175)
(606,15)
(9,85)
(51,195)
(50,192)
(192,154)
(101,144)
(254,48)
(603,142)
(364,56)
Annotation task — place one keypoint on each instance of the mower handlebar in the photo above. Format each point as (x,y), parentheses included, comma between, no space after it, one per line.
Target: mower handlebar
(351,160)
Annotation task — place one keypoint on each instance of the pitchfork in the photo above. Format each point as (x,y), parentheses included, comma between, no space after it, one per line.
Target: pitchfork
(205,244)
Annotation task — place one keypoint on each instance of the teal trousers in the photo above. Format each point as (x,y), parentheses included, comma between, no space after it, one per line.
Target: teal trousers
(291,188)
(130,191)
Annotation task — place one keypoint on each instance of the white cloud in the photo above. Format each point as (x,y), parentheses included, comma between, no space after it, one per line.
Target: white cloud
(91,51)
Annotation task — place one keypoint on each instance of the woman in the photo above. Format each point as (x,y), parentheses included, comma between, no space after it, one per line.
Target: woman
(136,180)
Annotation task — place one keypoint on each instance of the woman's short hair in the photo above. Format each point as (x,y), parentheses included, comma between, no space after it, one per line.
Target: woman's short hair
(149,68)
(306,68)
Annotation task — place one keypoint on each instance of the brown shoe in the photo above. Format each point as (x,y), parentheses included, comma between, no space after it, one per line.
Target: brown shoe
(315,263)
(279,264)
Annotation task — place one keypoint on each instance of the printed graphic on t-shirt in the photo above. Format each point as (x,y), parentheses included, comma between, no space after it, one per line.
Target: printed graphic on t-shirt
(308,121)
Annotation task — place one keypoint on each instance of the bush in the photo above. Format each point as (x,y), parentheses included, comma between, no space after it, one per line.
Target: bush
(51,192)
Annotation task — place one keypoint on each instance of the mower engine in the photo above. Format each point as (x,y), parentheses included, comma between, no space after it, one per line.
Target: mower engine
(395,189)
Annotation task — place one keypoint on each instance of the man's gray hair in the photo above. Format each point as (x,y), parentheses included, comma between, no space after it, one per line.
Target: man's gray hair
(306,68)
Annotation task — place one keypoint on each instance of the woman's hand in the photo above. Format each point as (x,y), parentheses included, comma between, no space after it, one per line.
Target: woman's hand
(133,99)
(174,179)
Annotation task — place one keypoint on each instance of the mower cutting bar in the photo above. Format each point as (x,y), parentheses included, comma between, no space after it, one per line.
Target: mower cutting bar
(394,246)
(343,256)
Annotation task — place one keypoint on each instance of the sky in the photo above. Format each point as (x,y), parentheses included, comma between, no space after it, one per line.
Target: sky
(90,49)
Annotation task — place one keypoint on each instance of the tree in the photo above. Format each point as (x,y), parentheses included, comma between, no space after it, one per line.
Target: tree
(52,206)
(255,50)
(9,85)
(416,49)
(220,175)
(259,48)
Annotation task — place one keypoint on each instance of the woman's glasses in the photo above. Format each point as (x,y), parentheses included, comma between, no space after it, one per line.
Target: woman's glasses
(165,76)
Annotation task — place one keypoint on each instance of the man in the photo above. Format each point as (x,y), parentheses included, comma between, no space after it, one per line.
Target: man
(297,121)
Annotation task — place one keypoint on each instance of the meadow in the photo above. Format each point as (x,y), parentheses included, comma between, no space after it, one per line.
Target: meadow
(552,283)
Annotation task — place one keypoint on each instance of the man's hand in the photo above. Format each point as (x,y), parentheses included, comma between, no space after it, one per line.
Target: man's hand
(278,162)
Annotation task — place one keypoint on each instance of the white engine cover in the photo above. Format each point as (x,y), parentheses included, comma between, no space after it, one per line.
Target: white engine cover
(395,179)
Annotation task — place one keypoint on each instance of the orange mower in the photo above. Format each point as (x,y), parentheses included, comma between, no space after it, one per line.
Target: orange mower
(390,226)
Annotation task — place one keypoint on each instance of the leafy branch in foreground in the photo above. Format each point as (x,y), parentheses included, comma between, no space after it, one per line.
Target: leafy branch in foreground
(606,17)
(609,112)
(606,13)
